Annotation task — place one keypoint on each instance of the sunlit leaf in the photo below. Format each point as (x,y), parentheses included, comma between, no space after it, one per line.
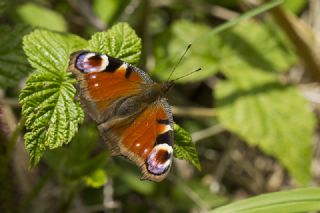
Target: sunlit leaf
(297,200)
(184,148)
(267,114)
(96,179)
(171,45)
(120,42)
(52,115)
(295,6)
(249,43)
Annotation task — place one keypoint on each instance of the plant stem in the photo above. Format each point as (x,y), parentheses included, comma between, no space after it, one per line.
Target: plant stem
(195,112)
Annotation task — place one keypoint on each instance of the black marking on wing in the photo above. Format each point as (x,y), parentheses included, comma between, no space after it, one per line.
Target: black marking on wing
(166,137)
(128,72)
(114,64)
(166,122)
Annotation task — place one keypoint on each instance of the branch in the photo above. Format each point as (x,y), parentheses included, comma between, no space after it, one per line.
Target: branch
(194,112)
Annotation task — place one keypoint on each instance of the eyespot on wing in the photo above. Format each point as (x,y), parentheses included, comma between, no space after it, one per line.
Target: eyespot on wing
(91,62)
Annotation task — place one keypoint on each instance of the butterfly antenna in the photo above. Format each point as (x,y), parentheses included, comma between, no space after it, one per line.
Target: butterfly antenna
(190,73)
(175,66)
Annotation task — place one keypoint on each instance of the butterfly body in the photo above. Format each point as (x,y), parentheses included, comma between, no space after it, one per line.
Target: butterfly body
(131,110)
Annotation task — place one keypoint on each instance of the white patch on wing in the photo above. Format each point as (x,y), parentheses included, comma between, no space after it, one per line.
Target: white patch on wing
(155,167)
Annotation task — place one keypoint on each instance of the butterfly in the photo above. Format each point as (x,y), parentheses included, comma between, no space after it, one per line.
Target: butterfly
(131,111)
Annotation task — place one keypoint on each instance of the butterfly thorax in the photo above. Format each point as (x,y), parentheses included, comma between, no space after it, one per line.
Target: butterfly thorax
(155,91)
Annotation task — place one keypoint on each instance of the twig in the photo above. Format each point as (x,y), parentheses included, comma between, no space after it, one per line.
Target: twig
(206,133)
(195,112)
(10,101)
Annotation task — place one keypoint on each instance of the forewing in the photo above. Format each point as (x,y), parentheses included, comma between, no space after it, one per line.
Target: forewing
(104,82)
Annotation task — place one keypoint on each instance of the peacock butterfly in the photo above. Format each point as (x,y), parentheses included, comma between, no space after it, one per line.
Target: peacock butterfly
(131,111)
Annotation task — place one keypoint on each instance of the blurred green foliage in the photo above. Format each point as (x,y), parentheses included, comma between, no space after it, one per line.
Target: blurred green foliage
(242,68)
(39,16)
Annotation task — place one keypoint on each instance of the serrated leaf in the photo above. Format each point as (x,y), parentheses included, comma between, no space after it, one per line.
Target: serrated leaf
(267,114)
(52,115)
(184,148)
(13,63)
(39,16)
(49,52)
(120,42)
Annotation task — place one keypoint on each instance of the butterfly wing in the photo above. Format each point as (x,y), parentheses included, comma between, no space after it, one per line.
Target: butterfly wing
(147,141)
(110,90)
(105,82)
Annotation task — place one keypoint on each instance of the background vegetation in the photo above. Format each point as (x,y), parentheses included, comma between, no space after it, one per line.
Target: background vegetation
(247,121)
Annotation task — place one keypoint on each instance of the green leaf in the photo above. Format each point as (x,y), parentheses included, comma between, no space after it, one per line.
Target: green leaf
(297,200)
(274,117)
(120,42)
(260,45)
(39,16)
(295,6)
(184,148)
(13,63)
(108,10)
(170,46)
(96,179)
(52,115)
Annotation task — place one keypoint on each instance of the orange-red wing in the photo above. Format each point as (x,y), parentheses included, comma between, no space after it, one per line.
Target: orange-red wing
(104,80)
(103,87)
(149,139)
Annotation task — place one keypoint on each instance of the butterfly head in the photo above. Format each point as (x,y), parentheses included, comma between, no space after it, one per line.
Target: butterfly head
(166,86)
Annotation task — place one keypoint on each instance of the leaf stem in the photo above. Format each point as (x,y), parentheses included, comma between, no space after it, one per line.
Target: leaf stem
(206,133)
